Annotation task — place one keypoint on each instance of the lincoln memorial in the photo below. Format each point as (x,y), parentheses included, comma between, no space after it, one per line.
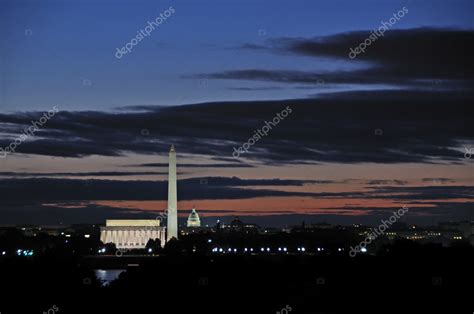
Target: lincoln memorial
(132,234)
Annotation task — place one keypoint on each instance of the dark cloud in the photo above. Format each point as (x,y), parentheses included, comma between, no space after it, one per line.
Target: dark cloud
(49,189)
(80,174)
(53,214)
(340,128)
(437,212)
(187,165)
(416,126)
(26,212)
(410,194)
(424,192)
(279,76)
(41,200)
(263,88)
(420,57)
(380,182)
(55,189)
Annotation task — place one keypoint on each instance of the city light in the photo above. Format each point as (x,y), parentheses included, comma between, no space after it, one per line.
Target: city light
(22,252)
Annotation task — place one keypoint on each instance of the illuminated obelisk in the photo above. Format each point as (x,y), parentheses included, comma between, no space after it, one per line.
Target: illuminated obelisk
(172,231)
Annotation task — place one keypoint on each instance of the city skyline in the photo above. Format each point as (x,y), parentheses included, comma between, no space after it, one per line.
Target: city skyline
(368,133)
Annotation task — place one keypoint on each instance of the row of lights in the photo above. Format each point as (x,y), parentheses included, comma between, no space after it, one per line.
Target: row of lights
(20,252)
(150,250)
(263,249)
(67,235)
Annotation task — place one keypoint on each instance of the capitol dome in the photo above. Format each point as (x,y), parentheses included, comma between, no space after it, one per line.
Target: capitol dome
(193,219)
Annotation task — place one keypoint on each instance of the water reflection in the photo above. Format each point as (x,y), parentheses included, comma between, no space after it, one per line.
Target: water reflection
(106,276)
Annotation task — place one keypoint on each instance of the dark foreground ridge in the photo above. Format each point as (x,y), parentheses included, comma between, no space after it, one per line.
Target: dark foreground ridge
(410,276)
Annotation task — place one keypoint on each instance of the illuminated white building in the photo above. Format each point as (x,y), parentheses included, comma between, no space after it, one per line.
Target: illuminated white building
(132,233)
(193,219)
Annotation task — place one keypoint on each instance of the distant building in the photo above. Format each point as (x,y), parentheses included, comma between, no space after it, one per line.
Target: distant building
(444,234)
(466,227)
(236,225)
(321,225)
(193,219)
(314,227)
(132,234)
(32,231)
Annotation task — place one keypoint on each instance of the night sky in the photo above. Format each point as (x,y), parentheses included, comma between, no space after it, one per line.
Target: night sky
(366,135)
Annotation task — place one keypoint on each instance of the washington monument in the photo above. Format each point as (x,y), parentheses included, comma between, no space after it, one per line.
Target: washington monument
(172,231)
